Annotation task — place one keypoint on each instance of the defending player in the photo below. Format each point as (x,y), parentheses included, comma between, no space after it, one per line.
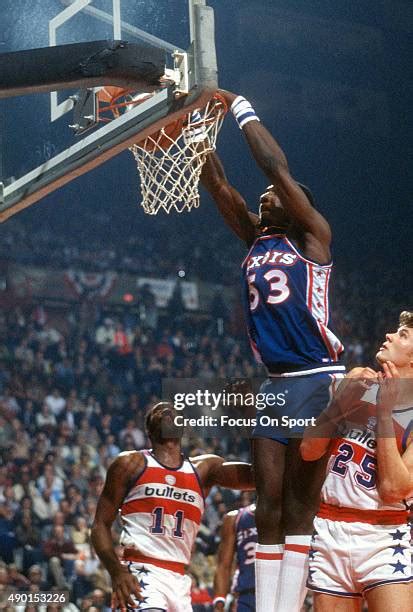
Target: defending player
(238,537)
(361,544)
(286,290)
(160,495)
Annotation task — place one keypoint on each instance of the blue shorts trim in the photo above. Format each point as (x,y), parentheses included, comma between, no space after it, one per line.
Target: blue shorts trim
(383,582)
(330,592)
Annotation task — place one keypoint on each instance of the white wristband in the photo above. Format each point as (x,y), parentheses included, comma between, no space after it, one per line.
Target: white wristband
(243,111)
(218,600)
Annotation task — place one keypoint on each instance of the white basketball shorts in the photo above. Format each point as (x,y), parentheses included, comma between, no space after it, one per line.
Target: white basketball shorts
(161,589)
(347,559)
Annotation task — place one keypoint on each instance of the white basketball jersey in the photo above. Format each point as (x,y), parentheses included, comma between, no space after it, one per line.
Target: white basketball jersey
(351,471)
(162,512)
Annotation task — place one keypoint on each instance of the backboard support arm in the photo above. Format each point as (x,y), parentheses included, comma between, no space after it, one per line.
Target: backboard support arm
(100,146)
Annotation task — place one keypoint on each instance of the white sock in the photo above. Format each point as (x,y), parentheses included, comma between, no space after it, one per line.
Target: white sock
(268,559)
(294,570)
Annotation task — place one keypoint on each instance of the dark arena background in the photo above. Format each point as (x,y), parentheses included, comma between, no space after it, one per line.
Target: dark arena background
(100,303)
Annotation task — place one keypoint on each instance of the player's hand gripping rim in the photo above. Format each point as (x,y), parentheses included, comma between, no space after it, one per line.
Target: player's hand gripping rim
(125,591)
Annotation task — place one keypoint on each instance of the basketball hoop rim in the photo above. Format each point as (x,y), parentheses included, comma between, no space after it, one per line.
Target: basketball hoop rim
(118,102)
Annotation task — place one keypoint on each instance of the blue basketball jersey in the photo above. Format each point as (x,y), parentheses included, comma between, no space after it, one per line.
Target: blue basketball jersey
(246,538)
(286,301)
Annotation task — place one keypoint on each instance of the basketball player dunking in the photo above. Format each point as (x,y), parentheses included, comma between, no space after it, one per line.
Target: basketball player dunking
(286,280)
(160,495)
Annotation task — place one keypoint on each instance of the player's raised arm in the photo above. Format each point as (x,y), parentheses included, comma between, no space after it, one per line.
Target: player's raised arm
(394,471)
(229,202)
(214,470)
(316,440)
(273,162)
(118,481)
(225,559)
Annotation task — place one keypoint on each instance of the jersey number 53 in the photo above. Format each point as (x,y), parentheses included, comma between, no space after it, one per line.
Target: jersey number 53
(278,290)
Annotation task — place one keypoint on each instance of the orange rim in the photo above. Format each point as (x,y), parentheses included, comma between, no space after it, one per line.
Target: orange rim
(114,106)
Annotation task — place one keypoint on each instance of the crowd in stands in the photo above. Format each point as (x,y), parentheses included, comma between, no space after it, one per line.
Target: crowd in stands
(73,394)
(90,247)
(69,403)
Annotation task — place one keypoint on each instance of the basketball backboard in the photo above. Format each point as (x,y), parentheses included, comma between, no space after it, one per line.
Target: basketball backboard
(39,151)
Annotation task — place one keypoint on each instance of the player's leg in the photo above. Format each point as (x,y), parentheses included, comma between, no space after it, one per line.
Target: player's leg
(151,580)
(301,490)
(390,597)
(328,603)
(178,591)
(303,480)
(301,498)
(268,460)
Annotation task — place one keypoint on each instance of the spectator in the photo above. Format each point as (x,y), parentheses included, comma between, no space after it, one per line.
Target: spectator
(132,431)
(44,505)
(28,538)
(45,419)
(55,402)
(61,554)
(36,578)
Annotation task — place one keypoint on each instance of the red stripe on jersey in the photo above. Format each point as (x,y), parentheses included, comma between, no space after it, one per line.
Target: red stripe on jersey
(327,342)
(269,556)
(129,554)
(354,515)
(183,480)
(299,548)
(170,506)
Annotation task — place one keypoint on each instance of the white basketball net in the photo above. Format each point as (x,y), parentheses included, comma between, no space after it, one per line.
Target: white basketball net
(170,166)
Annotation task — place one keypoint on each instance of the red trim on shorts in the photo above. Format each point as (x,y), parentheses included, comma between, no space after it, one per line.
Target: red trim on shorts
(353,515)
(269,556)
(149,504)
(299,548)
(129,554)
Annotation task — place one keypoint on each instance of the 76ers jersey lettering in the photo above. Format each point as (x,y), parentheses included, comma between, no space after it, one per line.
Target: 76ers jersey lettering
(246,538)
(162,512)
(287,307)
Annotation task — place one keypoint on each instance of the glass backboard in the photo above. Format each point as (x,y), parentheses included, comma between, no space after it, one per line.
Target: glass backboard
(39,150)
